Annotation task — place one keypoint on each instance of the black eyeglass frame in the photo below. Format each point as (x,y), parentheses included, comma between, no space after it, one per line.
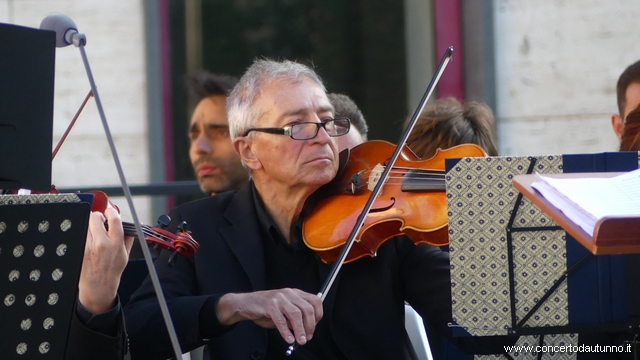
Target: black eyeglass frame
(288,130)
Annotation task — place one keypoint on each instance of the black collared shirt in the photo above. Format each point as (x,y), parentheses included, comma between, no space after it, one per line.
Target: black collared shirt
(293,266)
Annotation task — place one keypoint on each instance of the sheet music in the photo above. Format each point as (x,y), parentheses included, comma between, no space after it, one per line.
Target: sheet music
(587,200)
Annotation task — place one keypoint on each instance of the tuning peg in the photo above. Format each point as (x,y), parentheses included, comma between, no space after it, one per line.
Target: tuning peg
(164,221)
(182,226)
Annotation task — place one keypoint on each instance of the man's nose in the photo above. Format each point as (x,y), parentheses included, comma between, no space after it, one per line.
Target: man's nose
(202,144)
(322,135)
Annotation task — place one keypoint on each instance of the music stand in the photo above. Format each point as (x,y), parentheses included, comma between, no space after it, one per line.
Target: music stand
(514,270)
(42,240)
(27,69)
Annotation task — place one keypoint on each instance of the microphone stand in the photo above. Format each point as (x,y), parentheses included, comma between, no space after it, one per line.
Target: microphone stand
(79,40)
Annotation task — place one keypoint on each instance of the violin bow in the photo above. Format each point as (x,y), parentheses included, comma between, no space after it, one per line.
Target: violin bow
(383,178)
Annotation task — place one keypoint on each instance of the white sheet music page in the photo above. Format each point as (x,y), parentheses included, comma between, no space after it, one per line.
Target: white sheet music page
(587,200)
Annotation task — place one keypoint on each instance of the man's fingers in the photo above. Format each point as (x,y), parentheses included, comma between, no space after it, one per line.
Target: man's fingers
(309,319)
(96,223)
(310,312)
(282,325)
(297,323)
(293,312)
(115,224)
(313,313)
(315,302)
(303,312)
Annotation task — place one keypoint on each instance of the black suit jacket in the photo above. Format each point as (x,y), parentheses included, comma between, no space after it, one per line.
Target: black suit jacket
(84,343)
(364,309)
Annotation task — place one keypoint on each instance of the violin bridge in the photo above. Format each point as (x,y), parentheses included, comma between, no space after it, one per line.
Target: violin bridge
(374,177)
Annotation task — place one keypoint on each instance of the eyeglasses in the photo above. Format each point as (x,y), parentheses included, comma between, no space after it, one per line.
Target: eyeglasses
(309,130)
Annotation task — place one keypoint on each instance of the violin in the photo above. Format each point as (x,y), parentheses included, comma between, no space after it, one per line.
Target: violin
(181,243)
(412,201)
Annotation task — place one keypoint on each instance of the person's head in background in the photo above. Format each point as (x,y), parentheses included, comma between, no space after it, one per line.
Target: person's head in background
(345,107)
(216,164)
(630,137)
(628,96)
(449,123)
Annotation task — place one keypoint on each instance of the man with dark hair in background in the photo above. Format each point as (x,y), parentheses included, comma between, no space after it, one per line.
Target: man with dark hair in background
(630,137)
(628,96)
(345,107)
(215,163)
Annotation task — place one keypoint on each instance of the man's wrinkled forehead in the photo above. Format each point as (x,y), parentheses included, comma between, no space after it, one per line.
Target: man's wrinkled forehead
(320,98)
(303,111)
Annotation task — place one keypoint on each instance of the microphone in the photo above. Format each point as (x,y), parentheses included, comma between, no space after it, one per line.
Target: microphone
(65,29)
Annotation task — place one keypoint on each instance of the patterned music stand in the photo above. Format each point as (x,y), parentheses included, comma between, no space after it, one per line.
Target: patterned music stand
(513,269)
(42,240)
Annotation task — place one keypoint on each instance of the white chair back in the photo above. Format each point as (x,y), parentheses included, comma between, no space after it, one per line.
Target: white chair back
(417,334)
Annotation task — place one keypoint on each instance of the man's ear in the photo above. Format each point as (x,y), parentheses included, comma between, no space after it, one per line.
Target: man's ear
(617,123)
(244,148)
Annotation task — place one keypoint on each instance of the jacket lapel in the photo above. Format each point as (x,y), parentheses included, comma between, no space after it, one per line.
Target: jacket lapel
(243,236)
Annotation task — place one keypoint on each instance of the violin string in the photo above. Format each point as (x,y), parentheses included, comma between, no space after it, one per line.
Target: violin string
(405,173)
(147,230)
(426,173)
(366,184)
(410,173)
(398,174)
(397,180)
(434,171)
(419,171)
(400,179)
(415,175)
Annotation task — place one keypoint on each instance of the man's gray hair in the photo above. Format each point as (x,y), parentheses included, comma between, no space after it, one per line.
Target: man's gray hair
(262,72)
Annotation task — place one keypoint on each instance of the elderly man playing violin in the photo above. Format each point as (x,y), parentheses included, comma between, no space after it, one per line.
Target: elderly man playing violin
(250,291)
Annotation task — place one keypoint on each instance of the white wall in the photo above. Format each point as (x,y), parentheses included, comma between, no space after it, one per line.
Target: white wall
(557,63)
(115,49)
